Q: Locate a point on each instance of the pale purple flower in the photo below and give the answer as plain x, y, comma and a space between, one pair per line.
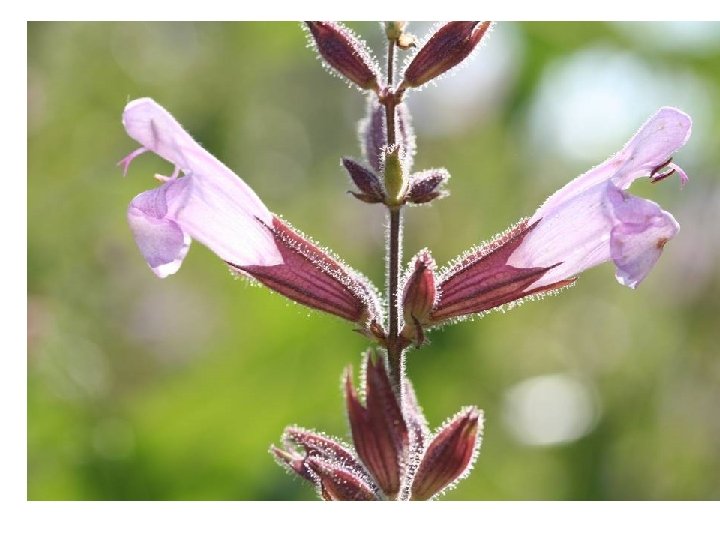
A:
593, 219
209, 203
203, 199
589, 221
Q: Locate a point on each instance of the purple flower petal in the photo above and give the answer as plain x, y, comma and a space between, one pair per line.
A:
641, 231
576, 234
160, 239
604, 223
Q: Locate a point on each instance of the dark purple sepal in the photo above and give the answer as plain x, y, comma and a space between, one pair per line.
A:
369, 186
338, 483
449, 456
425, 186
483, 280
345, 53
447, 47
317, 445
312, 277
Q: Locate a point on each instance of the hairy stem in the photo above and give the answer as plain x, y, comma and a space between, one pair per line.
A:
394, 347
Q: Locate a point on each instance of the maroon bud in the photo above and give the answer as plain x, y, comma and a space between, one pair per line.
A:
379, 432
373, 134
312, 277
336, 483
371, 190
419, 295
483, 280
449, 456
316, 445
345, 53
424, 185
446, 48
324, 459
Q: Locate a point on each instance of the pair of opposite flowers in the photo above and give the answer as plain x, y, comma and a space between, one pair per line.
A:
590, 220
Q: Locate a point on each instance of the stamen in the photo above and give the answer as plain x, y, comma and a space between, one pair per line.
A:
662, 176
659, 167
672, 168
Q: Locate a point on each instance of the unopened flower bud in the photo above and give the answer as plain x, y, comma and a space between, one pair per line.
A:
446, 48
450, 454
371, 190
420, 293
336, 483
395, 175
345, 53
379, 431
424, 185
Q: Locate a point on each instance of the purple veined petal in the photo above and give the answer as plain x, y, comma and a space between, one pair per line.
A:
155, 129
637, 239
576, 234
161, 240
655, 142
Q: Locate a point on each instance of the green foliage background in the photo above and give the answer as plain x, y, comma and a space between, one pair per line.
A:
146, 389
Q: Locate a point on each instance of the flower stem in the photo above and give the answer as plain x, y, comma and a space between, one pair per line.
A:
394, 347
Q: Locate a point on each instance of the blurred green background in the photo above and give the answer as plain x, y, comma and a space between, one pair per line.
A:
140, 388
